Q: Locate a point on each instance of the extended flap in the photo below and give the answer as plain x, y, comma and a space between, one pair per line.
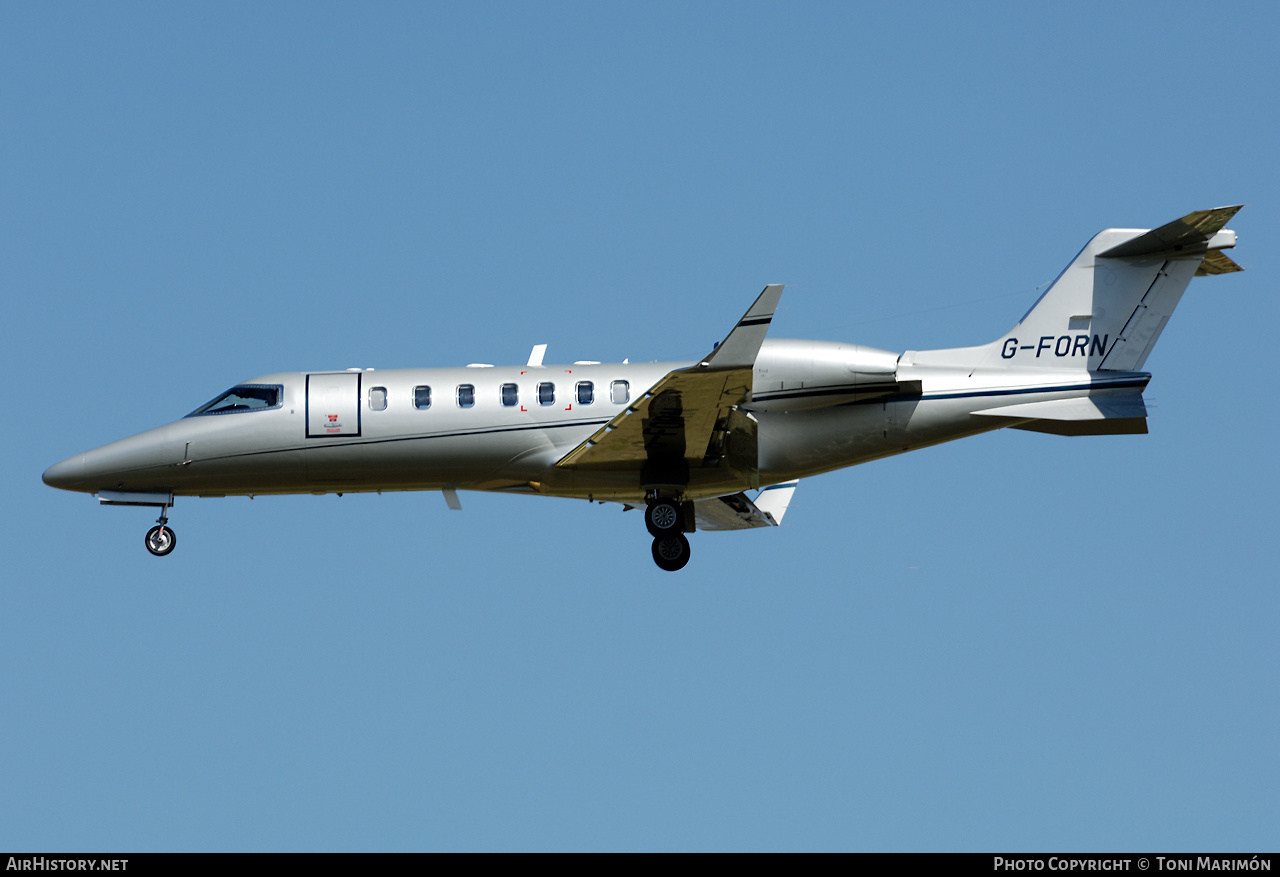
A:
737, 512
689, 419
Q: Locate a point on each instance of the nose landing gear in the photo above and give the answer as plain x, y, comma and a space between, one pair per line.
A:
161, 539
665, 520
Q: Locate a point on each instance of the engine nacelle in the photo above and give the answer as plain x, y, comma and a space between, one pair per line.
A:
793, 375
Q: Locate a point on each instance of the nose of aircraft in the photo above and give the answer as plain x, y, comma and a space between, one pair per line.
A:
138, 462
65, 474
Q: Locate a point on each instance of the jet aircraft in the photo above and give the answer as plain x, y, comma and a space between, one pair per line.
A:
718, 443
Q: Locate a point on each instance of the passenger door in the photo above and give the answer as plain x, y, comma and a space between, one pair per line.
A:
333, 405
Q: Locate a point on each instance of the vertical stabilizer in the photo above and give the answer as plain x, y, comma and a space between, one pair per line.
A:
1107, 309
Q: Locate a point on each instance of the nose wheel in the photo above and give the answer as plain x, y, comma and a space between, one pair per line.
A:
161, 539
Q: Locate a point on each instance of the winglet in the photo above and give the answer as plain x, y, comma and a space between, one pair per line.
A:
739, 349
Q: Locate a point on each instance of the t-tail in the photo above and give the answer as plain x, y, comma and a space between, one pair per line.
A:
1073, 363
1107, 309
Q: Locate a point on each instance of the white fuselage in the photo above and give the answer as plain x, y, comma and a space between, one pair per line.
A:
819, 406
685, 440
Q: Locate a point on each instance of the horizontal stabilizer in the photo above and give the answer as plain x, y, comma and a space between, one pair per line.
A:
1216, 262
1191, 231
737, 512
1094, 415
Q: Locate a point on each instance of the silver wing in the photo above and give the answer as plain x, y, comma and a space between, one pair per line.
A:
691, 419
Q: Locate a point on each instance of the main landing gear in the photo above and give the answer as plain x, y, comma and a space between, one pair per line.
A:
160, 538
662, 517
671, 552
665, 520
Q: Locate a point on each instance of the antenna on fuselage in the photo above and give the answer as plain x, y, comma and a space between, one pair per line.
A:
535, 355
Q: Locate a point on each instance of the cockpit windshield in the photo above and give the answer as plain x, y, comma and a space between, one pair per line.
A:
246, 397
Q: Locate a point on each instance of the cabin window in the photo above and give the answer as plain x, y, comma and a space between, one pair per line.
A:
546, 394
466, 395
586, 392
421, 397
620, 392
510, 395
246, 397
377, 398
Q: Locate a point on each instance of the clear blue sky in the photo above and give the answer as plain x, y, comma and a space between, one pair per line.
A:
1011, 642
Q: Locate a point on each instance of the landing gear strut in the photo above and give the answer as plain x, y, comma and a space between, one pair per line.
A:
665, 520
161, 539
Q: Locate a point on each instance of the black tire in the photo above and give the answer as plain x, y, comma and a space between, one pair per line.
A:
671, 552
662, 517
161, 540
